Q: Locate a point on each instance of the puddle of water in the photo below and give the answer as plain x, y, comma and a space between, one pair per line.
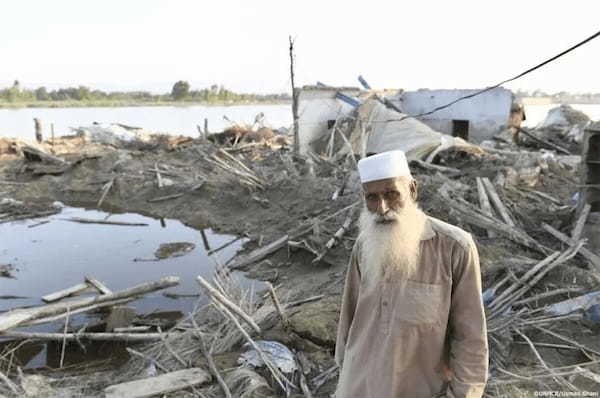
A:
56, 255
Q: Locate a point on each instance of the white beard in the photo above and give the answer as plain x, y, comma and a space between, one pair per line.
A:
391, 250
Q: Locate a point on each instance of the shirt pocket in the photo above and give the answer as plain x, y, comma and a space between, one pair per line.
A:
417, 303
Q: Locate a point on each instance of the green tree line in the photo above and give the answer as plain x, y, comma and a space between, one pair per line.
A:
180, 92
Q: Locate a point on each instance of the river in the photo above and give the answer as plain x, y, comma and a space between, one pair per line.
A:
183, 119
165, 119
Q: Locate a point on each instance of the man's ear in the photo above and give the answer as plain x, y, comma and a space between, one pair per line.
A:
413, 187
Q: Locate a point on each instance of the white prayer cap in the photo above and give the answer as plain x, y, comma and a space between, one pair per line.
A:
383, 165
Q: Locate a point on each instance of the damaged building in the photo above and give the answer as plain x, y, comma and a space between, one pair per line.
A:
473, 119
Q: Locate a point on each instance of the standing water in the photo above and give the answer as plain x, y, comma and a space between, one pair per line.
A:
50, 257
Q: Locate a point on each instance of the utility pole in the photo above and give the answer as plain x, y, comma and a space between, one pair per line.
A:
294, 99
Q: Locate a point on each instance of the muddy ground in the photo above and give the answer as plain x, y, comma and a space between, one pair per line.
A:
295, 194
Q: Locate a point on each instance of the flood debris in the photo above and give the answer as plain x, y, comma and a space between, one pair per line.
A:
523, 200
174, 249
7, 270
51, 312
158, 385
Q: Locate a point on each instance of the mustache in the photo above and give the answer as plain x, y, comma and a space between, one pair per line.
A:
387, 217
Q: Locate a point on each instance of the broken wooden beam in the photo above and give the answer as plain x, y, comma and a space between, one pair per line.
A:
593, 258
65, 292
578, 228
473, 215
259, 253
497, 202
548, 144
101, 287
125, 337
159, 385
17, 317
484, 203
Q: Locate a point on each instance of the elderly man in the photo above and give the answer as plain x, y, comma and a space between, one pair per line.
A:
412, 323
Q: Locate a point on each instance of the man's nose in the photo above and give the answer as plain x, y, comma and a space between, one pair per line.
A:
382, 207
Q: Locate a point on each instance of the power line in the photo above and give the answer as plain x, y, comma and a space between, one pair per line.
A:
439, 108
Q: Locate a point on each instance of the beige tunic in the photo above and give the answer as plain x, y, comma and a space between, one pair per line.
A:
416, 338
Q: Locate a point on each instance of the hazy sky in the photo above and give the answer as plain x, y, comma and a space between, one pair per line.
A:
149, 44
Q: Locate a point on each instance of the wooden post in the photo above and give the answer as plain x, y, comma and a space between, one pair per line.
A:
294, 99
38, 129
52, 131
205, 240
206, 133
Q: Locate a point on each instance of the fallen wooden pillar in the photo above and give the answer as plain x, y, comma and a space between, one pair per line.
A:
128, 337
158, 385
65, 292
18, 317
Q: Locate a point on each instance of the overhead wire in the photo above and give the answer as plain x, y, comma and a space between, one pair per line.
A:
439, 108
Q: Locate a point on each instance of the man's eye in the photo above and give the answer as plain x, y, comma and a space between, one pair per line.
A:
392, 195
371, 196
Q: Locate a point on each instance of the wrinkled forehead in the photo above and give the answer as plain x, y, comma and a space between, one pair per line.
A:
400, 184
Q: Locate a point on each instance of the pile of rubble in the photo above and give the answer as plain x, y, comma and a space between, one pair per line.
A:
519, 201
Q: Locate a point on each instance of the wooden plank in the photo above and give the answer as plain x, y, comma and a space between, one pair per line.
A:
259, 253
163, 384
65, 292
484, 203
497, 202
17, 317
473, 215
593, 258
101, 287
128, 337
578, 229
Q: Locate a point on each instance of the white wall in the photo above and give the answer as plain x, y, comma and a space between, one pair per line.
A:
317, 105
487, 113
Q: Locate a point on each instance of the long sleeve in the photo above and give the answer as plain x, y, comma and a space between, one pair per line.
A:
468, 336
348, 307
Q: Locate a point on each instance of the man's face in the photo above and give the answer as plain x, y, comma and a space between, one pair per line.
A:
386, 198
